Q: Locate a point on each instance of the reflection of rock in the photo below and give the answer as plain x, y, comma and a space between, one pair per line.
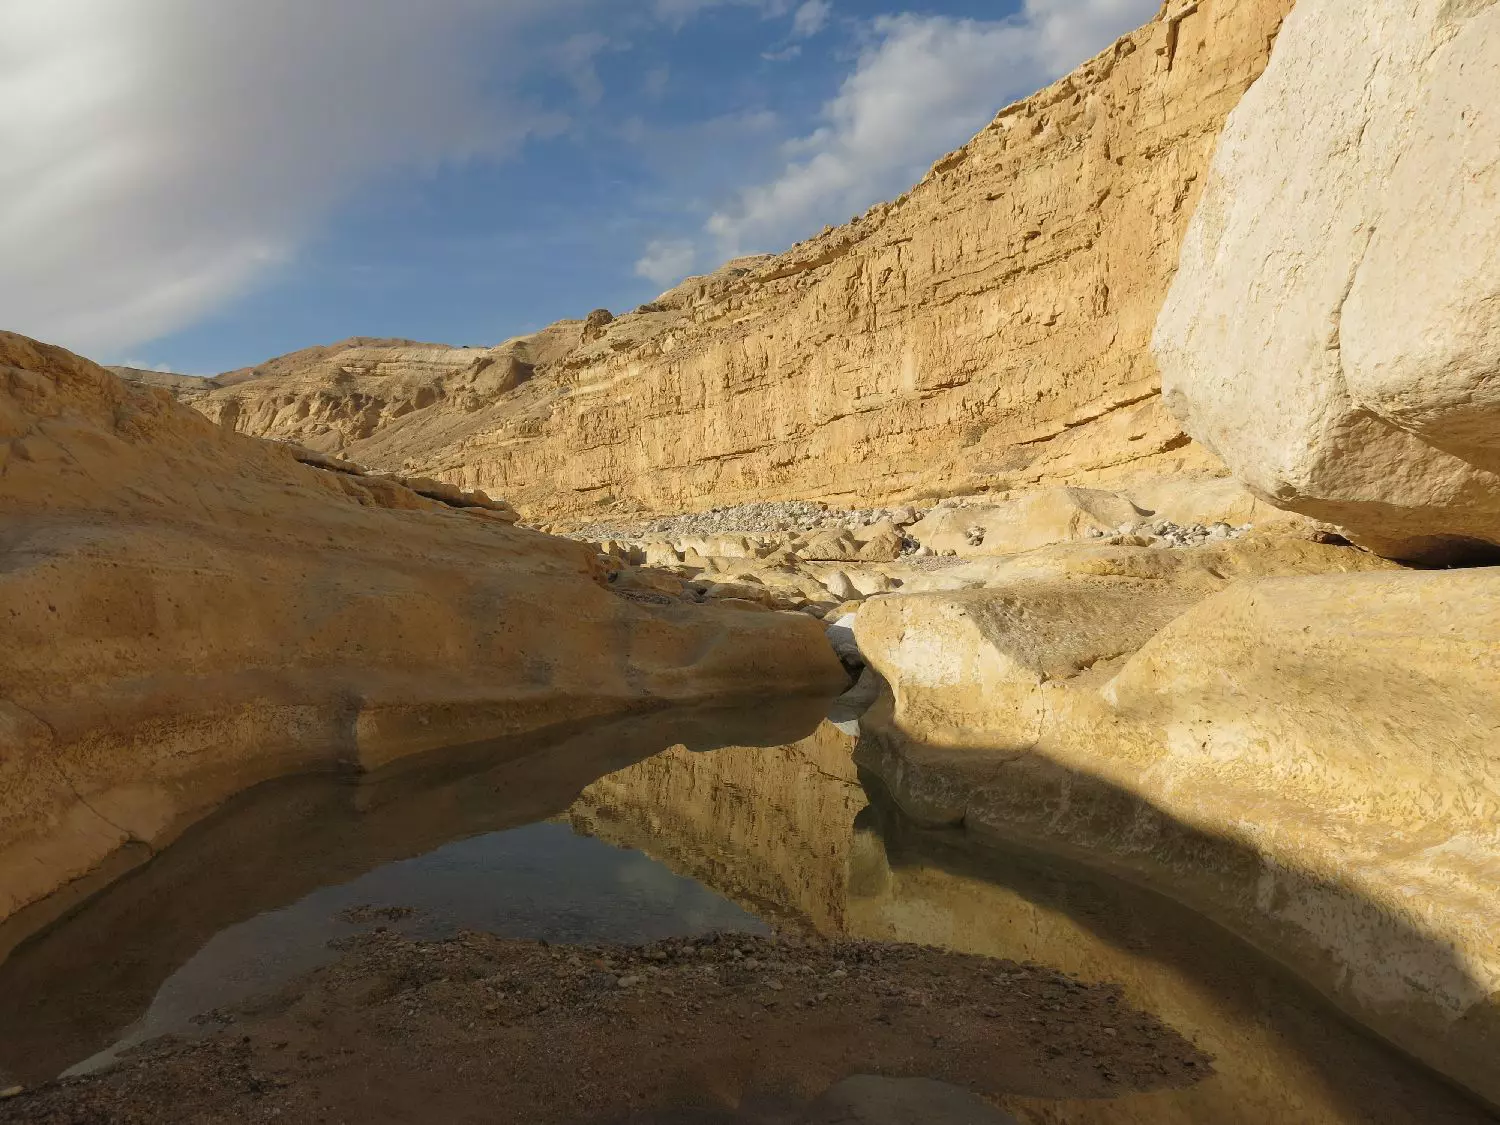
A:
1306, 759
189, 611
67, 993
785, 827
769, 828
1333, 331
1279, 1054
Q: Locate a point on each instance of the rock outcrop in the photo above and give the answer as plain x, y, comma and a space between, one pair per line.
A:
1334, 330
189, 611
988, 329
1306, 759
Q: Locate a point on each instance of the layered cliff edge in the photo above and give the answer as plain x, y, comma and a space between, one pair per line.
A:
988, 330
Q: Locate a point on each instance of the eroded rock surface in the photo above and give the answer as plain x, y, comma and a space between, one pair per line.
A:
1304, 758
188, 611
1333, 331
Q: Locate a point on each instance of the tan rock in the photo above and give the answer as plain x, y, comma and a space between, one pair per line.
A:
1333, 330
190, 611
647, 581
830, 546
988, 329
751, 604
1032, 520
742, 591
661, 554
840, 586
1304, 759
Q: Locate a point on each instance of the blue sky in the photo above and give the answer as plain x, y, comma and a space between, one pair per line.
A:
202, 184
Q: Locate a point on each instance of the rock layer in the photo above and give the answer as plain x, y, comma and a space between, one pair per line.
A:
988, 329
1334, 331
189, 611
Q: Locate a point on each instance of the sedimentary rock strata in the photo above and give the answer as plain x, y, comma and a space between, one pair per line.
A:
1333, 332
986, 330
188, 611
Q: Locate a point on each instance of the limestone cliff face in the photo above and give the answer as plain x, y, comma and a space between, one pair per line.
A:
988, 329
1334, 331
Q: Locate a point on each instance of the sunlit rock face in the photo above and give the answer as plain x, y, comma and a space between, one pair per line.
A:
1333, 332
1303, 756
989, 327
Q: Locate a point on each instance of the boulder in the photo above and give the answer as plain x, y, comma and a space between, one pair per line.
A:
886, 546
830, 546
660, 554
838, 584
1033, 520
1333, 331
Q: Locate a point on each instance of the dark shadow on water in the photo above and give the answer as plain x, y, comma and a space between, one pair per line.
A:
1026, 823
69, 990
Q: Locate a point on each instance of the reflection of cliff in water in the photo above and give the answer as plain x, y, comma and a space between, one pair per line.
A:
69, 990
787, 831
768, 828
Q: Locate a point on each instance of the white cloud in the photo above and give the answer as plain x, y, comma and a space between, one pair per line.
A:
679, 12
576, 55
162, 155
811, 18
667, 261
655, 84
921, 86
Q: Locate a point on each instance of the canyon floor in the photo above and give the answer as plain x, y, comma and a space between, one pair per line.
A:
482, 1029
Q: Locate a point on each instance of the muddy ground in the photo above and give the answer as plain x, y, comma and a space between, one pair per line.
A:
724, 1028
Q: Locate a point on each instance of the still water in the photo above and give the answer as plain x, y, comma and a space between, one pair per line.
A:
676, 824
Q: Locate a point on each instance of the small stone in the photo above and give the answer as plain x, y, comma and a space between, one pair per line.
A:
628, 981
774, 985
12, 1091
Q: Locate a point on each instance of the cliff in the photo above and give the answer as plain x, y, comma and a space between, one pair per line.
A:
987, 330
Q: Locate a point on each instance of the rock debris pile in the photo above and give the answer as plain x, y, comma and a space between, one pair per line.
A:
749, 519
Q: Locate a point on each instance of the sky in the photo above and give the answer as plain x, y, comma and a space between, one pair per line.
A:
198, 185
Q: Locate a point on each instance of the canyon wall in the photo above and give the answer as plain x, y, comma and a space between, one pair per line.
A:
987, 330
